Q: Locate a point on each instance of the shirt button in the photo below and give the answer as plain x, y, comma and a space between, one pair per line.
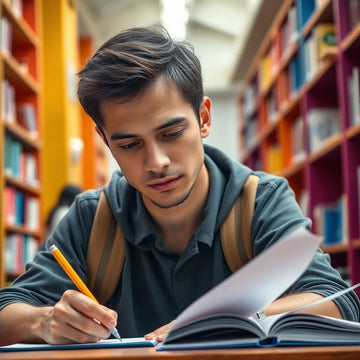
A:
179, 276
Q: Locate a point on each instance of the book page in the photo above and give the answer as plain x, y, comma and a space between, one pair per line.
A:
105, 343
259, 282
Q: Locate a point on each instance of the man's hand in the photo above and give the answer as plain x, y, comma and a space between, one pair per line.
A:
160, 333
74, 319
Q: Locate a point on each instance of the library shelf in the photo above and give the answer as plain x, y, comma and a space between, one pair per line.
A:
23, 31
353, 131
325, 66
17, 76
293, 169
20, 134
290, 105
288, 55
23, 230
28, 188
304, 79
356, 243
333, 143
350, 39
336, 248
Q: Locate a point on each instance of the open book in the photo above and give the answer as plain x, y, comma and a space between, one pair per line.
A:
223, 316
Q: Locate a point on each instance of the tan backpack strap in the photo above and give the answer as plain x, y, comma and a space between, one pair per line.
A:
236, 236
247, 212
106, 252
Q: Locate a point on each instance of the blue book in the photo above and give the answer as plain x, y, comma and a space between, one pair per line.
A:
332, 225
8, 155
19, 208
16, 158
306, 9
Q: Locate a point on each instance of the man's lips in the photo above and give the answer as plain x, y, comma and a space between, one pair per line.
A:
164, 184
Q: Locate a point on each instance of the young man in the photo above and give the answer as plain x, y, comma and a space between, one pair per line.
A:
144, 93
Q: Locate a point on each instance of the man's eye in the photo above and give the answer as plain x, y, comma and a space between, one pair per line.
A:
129, 146
173, 134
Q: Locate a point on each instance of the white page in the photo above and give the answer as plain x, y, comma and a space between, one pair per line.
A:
125, 342
260, 281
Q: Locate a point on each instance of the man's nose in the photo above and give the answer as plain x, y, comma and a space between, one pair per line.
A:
156, 158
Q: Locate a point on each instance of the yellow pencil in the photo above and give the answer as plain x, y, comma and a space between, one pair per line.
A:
60, 258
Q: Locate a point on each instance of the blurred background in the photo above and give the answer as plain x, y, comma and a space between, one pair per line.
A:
226, 35
48, 142
283, 77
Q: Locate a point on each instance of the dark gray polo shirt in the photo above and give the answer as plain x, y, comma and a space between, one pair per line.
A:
157, 284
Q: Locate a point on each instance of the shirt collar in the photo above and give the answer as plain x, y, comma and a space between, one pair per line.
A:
144, 231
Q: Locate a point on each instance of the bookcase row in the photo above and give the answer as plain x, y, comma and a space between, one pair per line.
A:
20, 134
300, 117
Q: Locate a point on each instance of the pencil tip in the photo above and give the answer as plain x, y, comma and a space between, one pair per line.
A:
115, 333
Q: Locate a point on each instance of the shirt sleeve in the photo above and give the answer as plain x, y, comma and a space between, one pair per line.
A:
44, 281
276, 214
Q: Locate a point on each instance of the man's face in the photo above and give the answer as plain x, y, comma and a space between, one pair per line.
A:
157, 141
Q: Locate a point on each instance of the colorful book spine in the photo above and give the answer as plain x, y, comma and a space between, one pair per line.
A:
5, 36
26, 117
358, 192
323, 124
274, 159
331, 221
19, 163
9, 205
354, 97
306, 9
32, 213
354, 12
19, 250
7, 101
298, 140
325, 35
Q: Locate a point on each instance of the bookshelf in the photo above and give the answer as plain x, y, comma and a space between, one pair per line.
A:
299, 117
62, 128
20, 133
95, 159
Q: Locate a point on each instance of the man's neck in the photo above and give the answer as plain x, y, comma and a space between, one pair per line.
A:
176, 225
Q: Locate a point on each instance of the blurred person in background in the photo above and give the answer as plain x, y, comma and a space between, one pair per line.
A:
62, 206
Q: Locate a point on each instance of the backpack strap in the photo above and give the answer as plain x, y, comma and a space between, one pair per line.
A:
235, 231
106, 252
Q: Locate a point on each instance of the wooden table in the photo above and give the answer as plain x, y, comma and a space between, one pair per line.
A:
285, 353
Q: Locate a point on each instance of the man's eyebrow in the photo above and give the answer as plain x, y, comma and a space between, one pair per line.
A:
172, 122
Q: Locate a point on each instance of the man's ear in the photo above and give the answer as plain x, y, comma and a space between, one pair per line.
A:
205, 117
102, 135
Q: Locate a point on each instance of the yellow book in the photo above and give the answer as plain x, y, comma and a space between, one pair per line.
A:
325, 35
265, 73
274, 159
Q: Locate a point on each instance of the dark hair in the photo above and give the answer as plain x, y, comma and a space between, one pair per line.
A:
127, 64
66, 198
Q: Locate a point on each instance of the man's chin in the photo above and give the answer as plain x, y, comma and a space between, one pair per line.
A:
169, 204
